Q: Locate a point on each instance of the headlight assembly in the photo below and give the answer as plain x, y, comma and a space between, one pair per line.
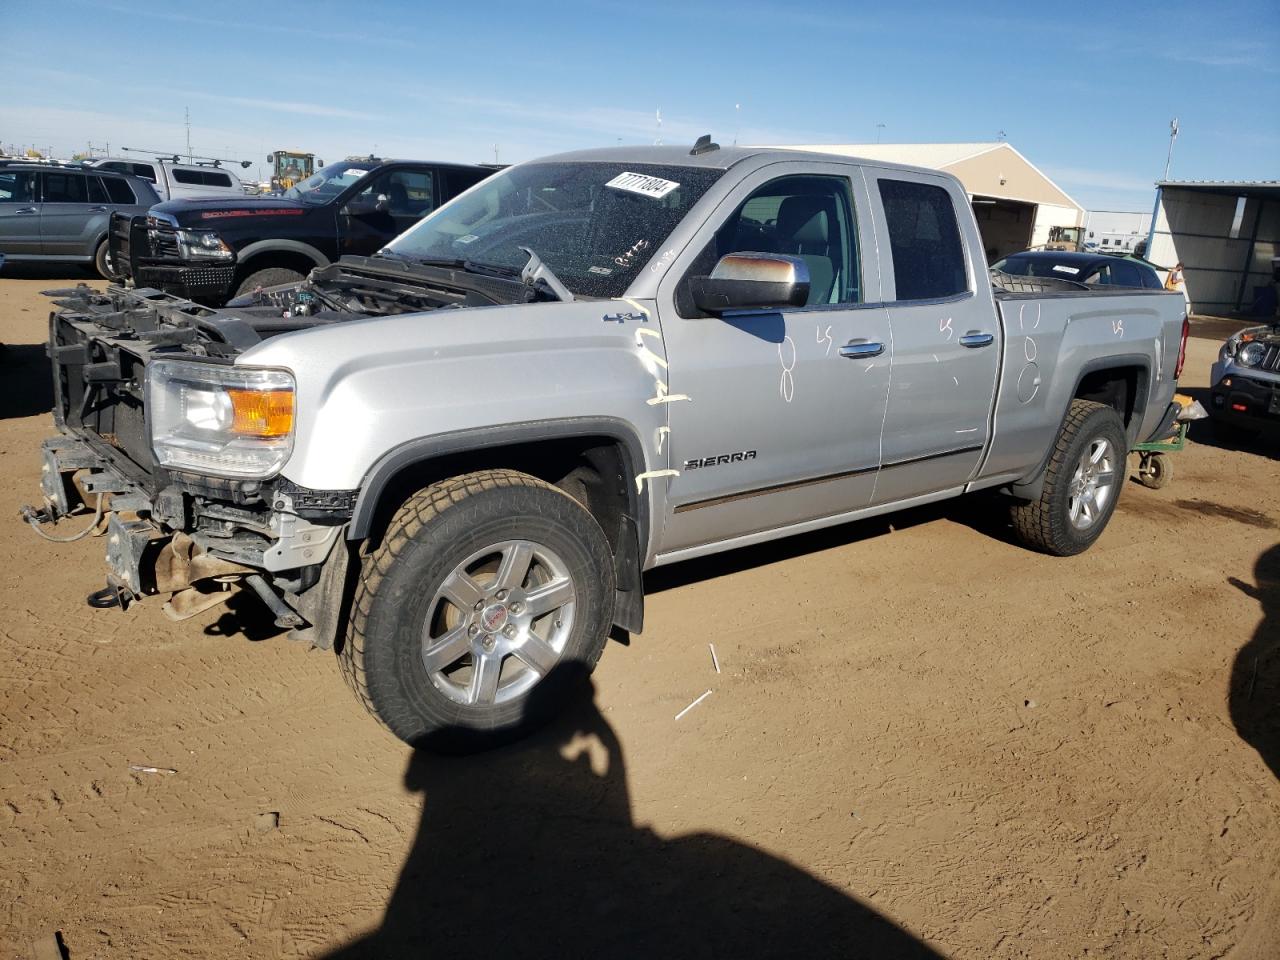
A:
224, 421
1251, 354
202, 245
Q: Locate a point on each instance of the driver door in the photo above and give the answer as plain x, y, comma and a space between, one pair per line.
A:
391, 204
785, 406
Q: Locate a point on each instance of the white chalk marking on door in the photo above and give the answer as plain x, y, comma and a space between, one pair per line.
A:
662, 435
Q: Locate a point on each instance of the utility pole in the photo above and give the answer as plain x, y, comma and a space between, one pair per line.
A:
187, 112
658, 115
737, 122
879, 127
495, 154
1173, 135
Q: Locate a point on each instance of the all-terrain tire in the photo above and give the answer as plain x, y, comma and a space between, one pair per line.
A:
270, 277
402, 591
1046, 524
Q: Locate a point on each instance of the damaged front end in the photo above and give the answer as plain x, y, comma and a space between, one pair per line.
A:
197, 550
1245, 380
174, 452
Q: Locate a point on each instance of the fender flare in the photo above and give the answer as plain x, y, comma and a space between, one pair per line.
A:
1031, 486
281, 246
461, 441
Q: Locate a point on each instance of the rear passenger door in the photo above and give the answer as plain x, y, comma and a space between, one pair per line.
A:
946, 340
69, 222
19, 213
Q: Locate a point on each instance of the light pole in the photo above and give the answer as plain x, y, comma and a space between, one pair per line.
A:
879, 127
1173, 135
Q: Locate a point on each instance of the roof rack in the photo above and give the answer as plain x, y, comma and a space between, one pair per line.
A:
164, 156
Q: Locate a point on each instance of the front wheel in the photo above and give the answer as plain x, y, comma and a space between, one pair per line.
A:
270, 277
102, 262
1081, 485
485, 588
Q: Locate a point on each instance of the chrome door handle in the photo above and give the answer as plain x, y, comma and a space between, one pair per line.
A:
861, 349
975, 338
97, 209
26, 210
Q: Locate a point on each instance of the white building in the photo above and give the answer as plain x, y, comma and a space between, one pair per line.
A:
1226, 235
1015, 203
1108, 231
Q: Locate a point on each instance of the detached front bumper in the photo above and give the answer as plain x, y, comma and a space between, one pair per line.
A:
194, 549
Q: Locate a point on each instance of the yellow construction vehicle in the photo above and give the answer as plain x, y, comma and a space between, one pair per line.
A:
289, 166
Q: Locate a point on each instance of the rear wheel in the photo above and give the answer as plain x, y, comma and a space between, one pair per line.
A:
1081, 485
484, 590
270, 277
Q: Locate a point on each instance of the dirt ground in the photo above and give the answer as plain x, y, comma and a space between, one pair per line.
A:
924, 740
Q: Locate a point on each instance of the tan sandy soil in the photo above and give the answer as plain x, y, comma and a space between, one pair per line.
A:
923, 735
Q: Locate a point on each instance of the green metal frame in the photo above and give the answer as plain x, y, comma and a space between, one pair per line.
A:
1165, 446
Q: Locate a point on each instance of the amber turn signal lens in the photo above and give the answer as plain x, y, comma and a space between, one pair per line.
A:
261, 413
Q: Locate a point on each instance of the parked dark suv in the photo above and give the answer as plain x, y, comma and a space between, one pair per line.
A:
60, 212
211, 249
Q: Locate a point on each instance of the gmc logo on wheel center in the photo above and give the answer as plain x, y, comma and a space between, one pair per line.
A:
699, 463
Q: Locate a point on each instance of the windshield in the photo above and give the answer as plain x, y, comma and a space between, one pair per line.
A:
327, 182
594, 224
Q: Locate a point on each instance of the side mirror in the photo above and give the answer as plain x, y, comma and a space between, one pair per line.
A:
742, 281
383, 204
271, 158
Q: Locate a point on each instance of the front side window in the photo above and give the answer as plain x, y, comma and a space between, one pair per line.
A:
810, 217
17, 186
409, 193
65, 188
594, 224
924, 240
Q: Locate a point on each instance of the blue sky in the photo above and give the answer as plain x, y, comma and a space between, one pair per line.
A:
1085, 93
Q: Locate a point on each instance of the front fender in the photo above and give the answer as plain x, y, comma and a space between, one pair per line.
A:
373, 392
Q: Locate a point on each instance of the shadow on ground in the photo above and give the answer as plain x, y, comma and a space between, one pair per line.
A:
1264, 443
531, 851
1255, 677
28, 383
13, 270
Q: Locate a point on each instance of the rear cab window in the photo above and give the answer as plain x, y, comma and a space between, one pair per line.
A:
924, 240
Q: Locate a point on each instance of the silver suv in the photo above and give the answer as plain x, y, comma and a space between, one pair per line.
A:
60, 212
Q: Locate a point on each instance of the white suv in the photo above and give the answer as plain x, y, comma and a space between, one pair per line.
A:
176, 181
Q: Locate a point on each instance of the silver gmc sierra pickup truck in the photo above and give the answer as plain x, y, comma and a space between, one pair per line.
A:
451, 462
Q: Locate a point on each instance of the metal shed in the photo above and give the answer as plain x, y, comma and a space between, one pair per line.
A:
1226, 235
1014, 202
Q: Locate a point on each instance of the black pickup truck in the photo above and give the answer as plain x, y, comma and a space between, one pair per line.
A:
210, 250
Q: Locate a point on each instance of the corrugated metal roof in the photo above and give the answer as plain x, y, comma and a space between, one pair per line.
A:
1218, 184
935, 155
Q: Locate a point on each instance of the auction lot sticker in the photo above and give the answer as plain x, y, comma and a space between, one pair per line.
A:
646, 186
